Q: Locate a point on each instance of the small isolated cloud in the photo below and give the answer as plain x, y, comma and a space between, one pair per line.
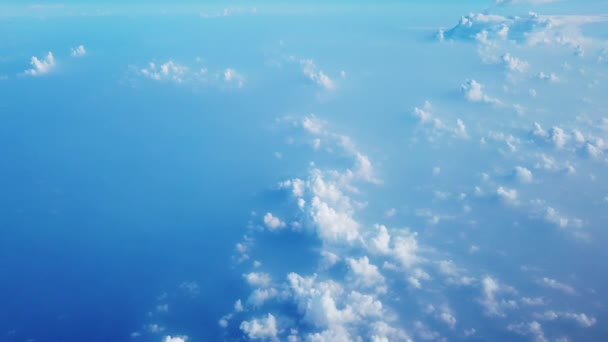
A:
190, 288
533, 329
232, 76
473, 92
427, 118
554, 217
556, 135
551, 77
507, 195
556, 285
168, 71
273, 222
311, 71
522, 174
79, 51
581, 319
514, 64
170, 338
258, 279
261, 328
493, 305
41, 67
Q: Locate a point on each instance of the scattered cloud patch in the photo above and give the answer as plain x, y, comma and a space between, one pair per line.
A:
273, 222
473, 92
310, 69
41, 66
79, 51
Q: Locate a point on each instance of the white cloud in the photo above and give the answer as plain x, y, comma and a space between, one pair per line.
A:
547, 77
238, 306
155, 328
523, 174
581, 319
258, 279
260, 296
313, 124
232, 76
493, 305
532, 29
191, 288
558, 136
514, 64
79, 51
536, 301
261, 328
168, 71
273, 222
333, 225
425, 117
473, 92
365, 273
41, 67
556, 285
170, 338
533, 329
311, 71
508, 195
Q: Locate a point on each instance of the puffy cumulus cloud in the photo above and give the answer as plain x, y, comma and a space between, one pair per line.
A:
581, 319
365, 273
261, 295
231, 76
425, 333
333, 225
514, 64
571, 225
258, 279
332, 309
523, 175
382, 332
170, 338
532, 29
314, 125
507, 195
556, 285
532, 329
261, 328
476, 25
273, 222
510, 140
551, 77
310, 70
168, 71
171, 71
554, 217
41, 66
437, 126
473, 92
443, 314
548, 163
491, 290
454, 274
402, 247
78, 51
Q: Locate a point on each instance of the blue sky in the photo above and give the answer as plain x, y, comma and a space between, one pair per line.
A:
310, 171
